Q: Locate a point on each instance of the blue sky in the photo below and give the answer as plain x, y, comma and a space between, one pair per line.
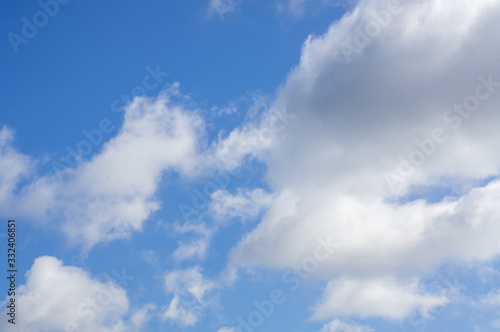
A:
247, 165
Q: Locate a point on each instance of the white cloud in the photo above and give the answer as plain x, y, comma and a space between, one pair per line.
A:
298, 8
492, 299
189, 281
92, 305
181, 315
250, 141
245, 204
340, 326
223, 7
386, 298
112, 194
355, 120
195, 248
14, 166
190, 289
140, 317
231, 151
227, 329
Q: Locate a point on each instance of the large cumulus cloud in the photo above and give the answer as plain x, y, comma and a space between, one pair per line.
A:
394, 101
